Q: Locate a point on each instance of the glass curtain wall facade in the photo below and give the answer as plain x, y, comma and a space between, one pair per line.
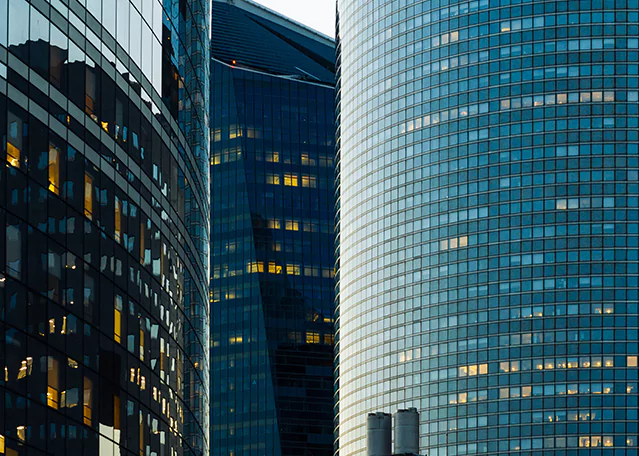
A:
272, 280
104, 221
488, 252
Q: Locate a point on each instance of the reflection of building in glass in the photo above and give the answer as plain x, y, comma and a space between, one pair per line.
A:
103, 228
488, 224
272, 235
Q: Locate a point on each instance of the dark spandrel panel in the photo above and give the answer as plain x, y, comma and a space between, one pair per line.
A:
252, 41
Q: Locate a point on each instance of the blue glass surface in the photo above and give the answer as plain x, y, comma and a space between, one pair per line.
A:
488, 195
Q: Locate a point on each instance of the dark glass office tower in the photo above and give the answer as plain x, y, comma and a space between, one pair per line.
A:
272, 218
104, 216
488, 185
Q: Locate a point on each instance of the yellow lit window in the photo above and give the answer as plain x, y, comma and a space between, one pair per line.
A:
255, 266
274, 224
1, 444
141, 345
54, 169
88, 196
632, 361
273, 179
87, 401
526, 391
117, 320
274, 268
505, 26
463, 398
309, 181
307, 160
235, 340
273, 157
291, 180
116, 412
292, 225
329, 339
483, 369
312, 337
608, 441
21, 432
293, 269
53, 383
504, 393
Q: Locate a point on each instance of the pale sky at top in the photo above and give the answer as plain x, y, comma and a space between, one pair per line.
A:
316, 14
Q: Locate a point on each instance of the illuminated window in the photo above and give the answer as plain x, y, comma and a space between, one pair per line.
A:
116, 412
273, 179
292, 225
291, 180
88, 196
235, 340
272, 157
293, 269
141, 344
87, 401
306, 160
117, 319
329, 339
53, 383
312, 337
309, 181
118, 220
274, 224
255, 266
632, 361
54, 169
274, 268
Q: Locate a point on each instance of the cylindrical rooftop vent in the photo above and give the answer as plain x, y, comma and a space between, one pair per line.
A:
407, 431
378, 434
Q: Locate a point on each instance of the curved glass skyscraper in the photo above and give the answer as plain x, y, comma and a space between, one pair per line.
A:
104, 216
488, 249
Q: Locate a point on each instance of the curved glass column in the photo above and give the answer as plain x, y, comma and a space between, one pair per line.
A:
104, 215
488, 224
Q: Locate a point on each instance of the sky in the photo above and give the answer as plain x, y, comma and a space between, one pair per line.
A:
316, 14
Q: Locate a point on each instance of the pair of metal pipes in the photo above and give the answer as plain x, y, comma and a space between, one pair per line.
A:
378, 433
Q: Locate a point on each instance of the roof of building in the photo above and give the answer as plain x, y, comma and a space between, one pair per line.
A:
248, 35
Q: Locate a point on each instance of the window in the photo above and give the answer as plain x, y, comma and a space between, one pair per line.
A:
88, 196
15, 144
293, 269
54, 169
274, 224
291, 180
118, 220
117, 319
273, 179
309, 181
87, 402
53, 383
292, 225
312, 337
